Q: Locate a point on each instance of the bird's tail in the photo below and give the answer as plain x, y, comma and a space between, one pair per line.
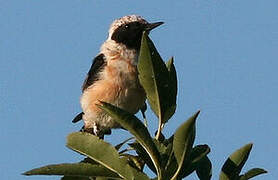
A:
78, 117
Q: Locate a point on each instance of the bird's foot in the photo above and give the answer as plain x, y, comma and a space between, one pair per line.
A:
95, 130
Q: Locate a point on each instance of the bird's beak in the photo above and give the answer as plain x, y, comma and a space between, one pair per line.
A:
151, 26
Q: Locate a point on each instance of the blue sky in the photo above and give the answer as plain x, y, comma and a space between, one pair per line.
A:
225, 54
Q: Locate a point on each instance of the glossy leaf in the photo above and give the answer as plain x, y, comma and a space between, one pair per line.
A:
137, 128
75, 178
74, 169
139, 175
173, 89
182, 137
198, 161
169, 151
198, 152
134, 161
154, 77
118, 146
93, 147
252, 173
102, 178
183, 141
204, 168
171, 167
144, 155
235, 162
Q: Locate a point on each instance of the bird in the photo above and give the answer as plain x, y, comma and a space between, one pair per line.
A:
113, 76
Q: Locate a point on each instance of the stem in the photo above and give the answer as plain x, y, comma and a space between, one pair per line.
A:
160, 127
126, 150
145, 122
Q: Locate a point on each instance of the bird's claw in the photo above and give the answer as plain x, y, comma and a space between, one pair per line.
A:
95, 130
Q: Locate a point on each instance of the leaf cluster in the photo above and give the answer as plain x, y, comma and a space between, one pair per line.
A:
170, 158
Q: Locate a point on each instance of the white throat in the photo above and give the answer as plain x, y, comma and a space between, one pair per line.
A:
117, 51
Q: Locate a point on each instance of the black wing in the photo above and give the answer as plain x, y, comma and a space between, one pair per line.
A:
97, 66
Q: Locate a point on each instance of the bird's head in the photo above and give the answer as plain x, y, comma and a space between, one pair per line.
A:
128, 30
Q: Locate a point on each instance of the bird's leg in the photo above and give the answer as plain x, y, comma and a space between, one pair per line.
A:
97, 131
82, 129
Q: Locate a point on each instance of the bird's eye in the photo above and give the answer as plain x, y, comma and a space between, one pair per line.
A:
127, 26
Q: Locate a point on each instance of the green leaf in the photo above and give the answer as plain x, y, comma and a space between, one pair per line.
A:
252, 173
163, 151
136, 166
75, 178
73, 169
171, 166
173, 89
143, 154
137, 128
139, 175
134, 161
169, 151
118, 146
160, 146
183, 141
154, 77
203, 169
198, 161
93, 147
198, 152
235, 163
